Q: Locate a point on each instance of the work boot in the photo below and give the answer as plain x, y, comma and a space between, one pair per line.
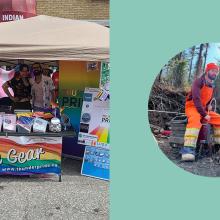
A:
188, 154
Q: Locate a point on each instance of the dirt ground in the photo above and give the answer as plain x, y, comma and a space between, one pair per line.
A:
205, 166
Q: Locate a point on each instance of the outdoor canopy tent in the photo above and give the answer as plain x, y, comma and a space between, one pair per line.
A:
52, 38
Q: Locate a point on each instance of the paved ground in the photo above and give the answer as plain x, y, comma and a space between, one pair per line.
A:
76, 197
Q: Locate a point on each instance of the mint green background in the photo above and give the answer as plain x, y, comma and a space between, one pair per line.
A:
144, 36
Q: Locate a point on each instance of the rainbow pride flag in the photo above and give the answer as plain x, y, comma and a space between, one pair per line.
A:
27, 155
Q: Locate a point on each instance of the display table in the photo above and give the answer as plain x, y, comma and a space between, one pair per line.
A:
31, 153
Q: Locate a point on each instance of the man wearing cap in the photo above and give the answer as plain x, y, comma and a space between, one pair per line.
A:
198, 107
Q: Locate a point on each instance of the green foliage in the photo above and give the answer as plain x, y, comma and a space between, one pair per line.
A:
183, 68
177, 72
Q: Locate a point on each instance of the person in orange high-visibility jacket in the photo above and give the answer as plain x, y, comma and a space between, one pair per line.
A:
198, 108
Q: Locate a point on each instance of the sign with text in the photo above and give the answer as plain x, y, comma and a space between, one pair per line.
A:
73, 79
11, 10
27, 155
95, 120
96, 163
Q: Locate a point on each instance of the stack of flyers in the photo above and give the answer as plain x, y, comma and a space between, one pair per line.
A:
1, 121
24, 124
26, 114
40, 125
9, 123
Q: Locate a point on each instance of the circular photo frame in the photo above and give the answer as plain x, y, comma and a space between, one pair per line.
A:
184, 109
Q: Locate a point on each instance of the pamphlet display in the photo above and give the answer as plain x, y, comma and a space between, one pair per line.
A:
29, 146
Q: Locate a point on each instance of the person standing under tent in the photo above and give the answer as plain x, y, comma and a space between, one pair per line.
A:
21, 88
47, 71
42, 91
35, 66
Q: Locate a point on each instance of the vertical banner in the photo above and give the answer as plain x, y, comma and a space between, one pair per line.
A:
74, 77
95, 120
11, 10
27, 155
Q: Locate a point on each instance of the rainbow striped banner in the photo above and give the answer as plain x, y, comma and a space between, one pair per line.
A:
27, 155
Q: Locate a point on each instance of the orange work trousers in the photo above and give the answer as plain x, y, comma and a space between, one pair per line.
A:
194, 125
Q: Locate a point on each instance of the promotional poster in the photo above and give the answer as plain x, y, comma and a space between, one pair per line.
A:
96, 163
95, 120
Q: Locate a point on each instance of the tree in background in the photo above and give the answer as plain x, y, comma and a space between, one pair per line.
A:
192, 53
179, 74
182, 69
178, 69
199, 62
205, 55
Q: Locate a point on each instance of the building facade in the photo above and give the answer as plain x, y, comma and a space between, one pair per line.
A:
75, 9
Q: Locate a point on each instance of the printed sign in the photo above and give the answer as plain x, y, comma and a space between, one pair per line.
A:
96, 163
27, 155
95, 120
11, 10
